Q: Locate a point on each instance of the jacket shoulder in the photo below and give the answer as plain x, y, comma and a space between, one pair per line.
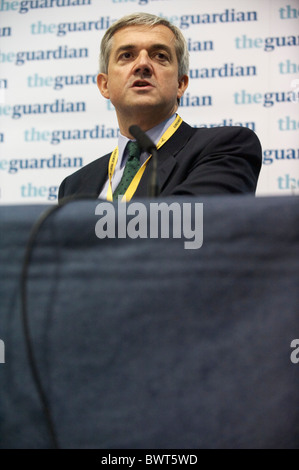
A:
86, 180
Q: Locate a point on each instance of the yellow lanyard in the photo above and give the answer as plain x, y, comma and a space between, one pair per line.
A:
136, 180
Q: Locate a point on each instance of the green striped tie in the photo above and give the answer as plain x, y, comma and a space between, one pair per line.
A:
131, 168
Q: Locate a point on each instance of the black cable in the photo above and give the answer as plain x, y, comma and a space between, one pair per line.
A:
24, 312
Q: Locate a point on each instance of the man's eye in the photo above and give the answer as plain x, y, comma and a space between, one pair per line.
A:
161, 56
126, 55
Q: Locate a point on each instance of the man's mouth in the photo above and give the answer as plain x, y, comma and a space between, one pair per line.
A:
141, 84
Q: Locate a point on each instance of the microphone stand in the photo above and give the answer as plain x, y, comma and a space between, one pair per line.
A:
153, 188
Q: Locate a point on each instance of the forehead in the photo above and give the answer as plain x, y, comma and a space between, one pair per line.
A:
143, 36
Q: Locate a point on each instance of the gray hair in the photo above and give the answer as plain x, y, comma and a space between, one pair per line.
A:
148, 20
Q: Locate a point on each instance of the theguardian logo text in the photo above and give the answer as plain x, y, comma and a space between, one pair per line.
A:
154, 220
24, 6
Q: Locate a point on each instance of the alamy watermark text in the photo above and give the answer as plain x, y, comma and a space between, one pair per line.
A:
138, 220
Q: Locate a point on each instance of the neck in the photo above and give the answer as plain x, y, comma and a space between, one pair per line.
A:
143, 120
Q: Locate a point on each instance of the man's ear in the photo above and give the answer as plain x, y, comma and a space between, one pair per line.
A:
183, 84
102, 82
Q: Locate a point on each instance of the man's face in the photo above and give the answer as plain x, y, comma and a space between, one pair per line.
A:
143, 72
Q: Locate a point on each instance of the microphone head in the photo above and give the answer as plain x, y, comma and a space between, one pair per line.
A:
143, 140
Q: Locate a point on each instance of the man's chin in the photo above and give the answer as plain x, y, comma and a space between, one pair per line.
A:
143, 108
146, 104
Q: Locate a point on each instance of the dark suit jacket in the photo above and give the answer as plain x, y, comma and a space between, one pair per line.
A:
193, 161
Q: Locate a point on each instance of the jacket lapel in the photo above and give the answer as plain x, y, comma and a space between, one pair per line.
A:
166, 159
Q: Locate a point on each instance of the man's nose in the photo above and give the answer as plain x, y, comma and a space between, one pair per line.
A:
143, 63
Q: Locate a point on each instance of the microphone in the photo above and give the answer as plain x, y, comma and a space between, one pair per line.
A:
147, 145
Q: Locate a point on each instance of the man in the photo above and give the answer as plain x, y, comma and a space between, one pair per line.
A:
144, 64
